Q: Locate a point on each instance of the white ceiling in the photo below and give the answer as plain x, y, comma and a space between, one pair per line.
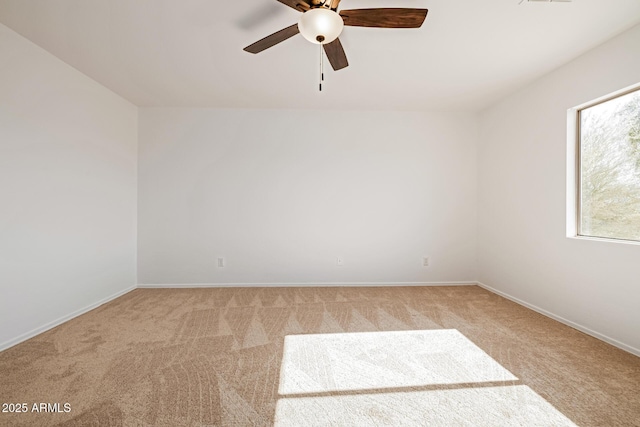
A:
467, 55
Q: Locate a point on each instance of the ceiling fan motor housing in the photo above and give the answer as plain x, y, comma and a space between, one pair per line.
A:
320, 26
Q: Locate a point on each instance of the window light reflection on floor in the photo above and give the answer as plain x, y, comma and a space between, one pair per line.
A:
375, 360
432, 377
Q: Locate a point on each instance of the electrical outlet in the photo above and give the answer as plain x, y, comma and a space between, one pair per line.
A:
339, 261
222, 263
425, 261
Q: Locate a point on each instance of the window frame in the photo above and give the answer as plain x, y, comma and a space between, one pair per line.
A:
574, 168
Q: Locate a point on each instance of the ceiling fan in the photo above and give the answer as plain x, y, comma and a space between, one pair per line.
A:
321, 23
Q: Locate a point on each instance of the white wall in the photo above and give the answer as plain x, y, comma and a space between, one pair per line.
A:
67, 190
282, 194
522, 247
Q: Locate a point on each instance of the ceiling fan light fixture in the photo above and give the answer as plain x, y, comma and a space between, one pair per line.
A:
320, 26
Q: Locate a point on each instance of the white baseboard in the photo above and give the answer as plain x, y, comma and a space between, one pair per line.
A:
560, 319
17, 340
301, 284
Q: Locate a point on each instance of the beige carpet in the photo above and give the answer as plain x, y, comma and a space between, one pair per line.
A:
452, 356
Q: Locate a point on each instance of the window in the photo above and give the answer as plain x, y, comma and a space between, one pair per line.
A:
608, 168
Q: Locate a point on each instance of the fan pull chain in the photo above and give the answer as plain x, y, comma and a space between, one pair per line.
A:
321, 67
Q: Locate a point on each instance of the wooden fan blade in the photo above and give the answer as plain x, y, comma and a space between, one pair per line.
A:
299, 5
384, 17
334, 4
273, 39
336, 55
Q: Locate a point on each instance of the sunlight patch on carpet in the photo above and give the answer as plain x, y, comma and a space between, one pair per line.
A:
377, 360
483, 406
428, 377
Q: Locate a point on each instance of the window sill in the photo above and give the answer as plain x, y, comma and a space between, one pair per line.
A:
605, 240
